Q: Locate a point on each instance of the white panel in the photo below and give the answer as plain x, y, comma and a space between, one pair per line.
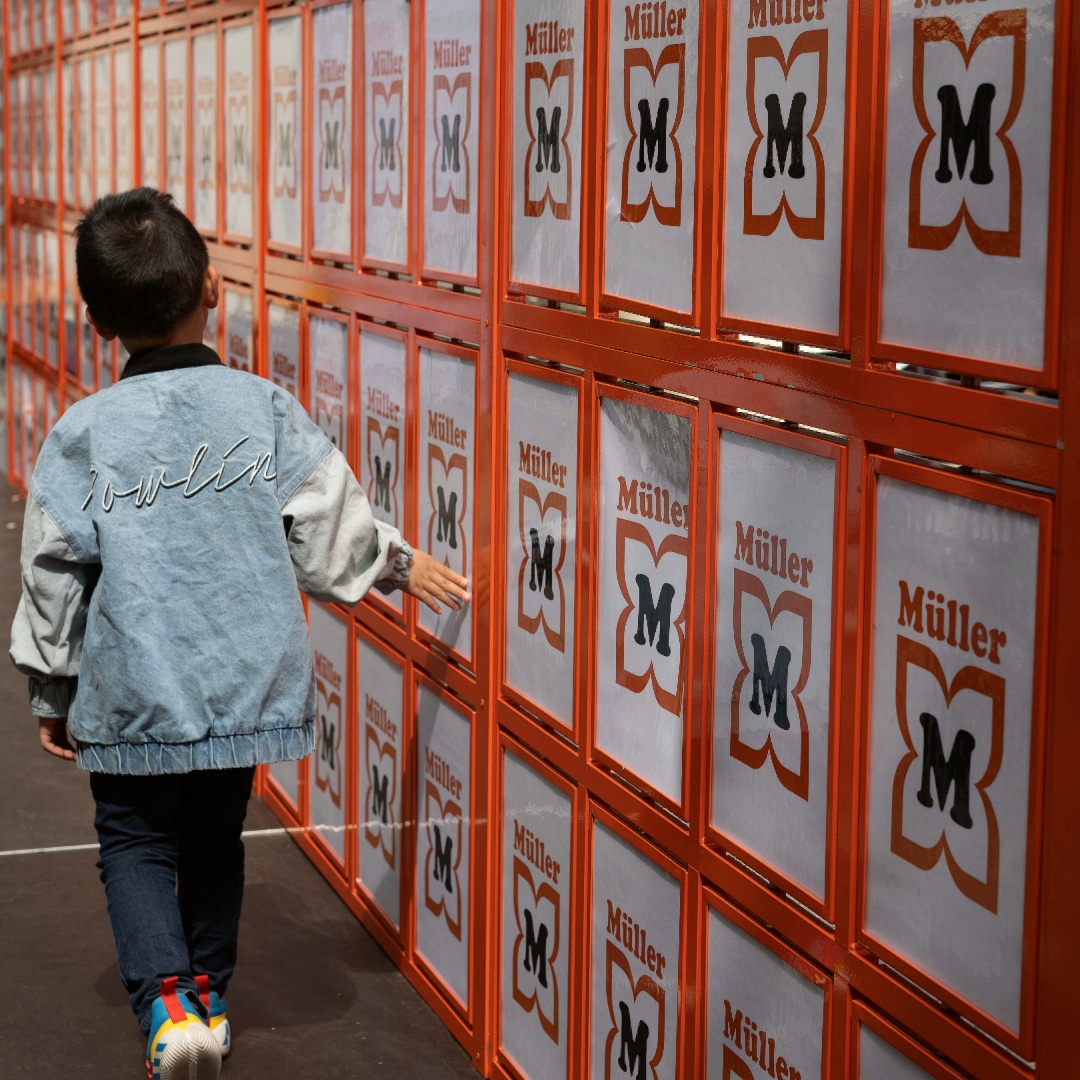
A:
448, 469
284, 346
386, 130
150, 120
443, 813
51, 289
239, 313
122, 90
652, 154
328, 353
787, 77
878, 1059
452, 136
103, 125
950, 739
239, 130
210, 334
770, 782
541, 542
204, 61
176, 111
382, 430
644, 549
37, 123
536, 883
966, 174
549, 62
332, 129
286, 775
326, 790
283, 172
765, 1019
26, 113
635, 962
382, 775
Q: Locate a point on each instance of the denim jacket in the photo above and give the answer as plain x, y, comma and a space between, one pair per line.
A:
169, 521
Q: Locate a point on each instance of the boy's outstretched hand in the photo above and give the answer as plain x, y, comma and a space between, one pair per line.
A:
54, 737
430, 581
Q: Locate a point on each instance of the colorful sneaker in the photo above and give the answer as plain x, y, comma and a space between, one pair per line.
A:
217, 1007
181, 1046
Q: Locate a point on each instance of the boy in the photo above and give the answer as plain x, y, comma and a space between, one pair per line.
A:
168, 524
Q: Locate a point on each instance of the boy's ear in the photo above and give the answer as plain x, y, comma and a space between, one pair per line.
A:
102, 331
211, 288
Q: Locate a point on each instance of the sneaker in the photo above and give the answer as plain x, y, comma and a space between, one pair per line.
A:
181, 1046
217, 1007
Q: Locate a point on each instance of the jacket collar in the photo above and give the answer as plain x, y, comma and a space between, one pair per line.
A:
169, 359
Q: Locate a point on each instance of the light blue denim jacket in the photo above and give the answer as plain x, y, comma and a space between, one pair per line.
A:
169, 522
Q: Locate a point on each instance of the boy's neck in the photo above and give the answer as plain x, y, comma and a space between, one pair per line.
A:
188, 332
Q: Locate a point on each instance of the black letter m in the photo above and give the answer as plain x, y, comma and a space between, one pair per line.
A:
326, 742
547, 139
382, 484
770, 682
956, 769
652, 139
378, 795
444, 857
784, 137
386, 144
961, 135
638, 1046
651, 616
536, 949
451, 143
447, 513
540, 565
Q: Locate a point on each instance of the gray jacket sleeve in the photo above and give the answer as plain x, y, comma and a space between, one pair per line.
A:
338, 549
47, 635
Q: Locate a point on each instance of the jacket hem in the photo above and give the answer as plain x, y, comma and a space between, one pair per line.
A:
215, 752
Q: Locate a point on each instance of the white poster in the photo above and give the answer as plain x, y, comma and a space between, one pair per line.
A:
536, 934
443, 809
541, 542
122, 93
950, 739
326, 790
283, 172
328, 352
383, 392
67, 134
103, 125
49, 126
877, 1059
331, 124
239, 315
635, 963
643, 598
452, 136
286, 775
765, 1019
239, 130
382, 777
783, 208
176, 111
150, 119
210, 334
447, 481
284, 345
37, 124
51, 290
26, 114
774, 611
15, 111
966, 173
386, 130
652, 154
204, 62
548, 113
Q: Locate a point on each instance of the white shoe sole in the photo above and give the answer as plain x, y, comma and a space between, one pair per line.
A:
194, 1055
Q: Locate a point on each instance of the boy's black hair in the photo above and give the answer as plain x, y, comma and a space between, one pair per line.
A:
140, 263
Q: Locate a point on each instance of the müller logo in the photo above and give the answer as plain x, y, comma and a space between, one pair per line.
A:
443, 825
383, 461
636, 1007
968, 139
237, 150
448, 491
651, 633
785, 163
542, 532
970, 707
381, 797
333, 139
537, 914
328, 759
549, 116
386, 114
765, 697
451, 171
285, 160
754, 1044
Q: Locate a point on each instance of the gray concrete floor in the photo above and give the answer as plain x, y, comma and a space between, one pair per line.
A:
313, 997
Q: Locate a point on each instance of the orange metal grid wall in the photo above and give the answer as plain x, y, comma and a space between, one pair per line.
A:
730, 359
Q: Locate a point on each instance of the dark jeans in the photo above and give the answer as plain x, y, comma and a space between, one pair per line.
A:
173, 866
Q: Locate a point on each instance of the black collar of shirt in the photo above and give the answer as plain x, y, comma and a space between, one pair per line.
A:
170, 358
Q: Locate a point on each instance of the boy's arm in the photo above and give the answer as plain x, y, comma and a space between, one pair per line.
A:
338, 549
47, 634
